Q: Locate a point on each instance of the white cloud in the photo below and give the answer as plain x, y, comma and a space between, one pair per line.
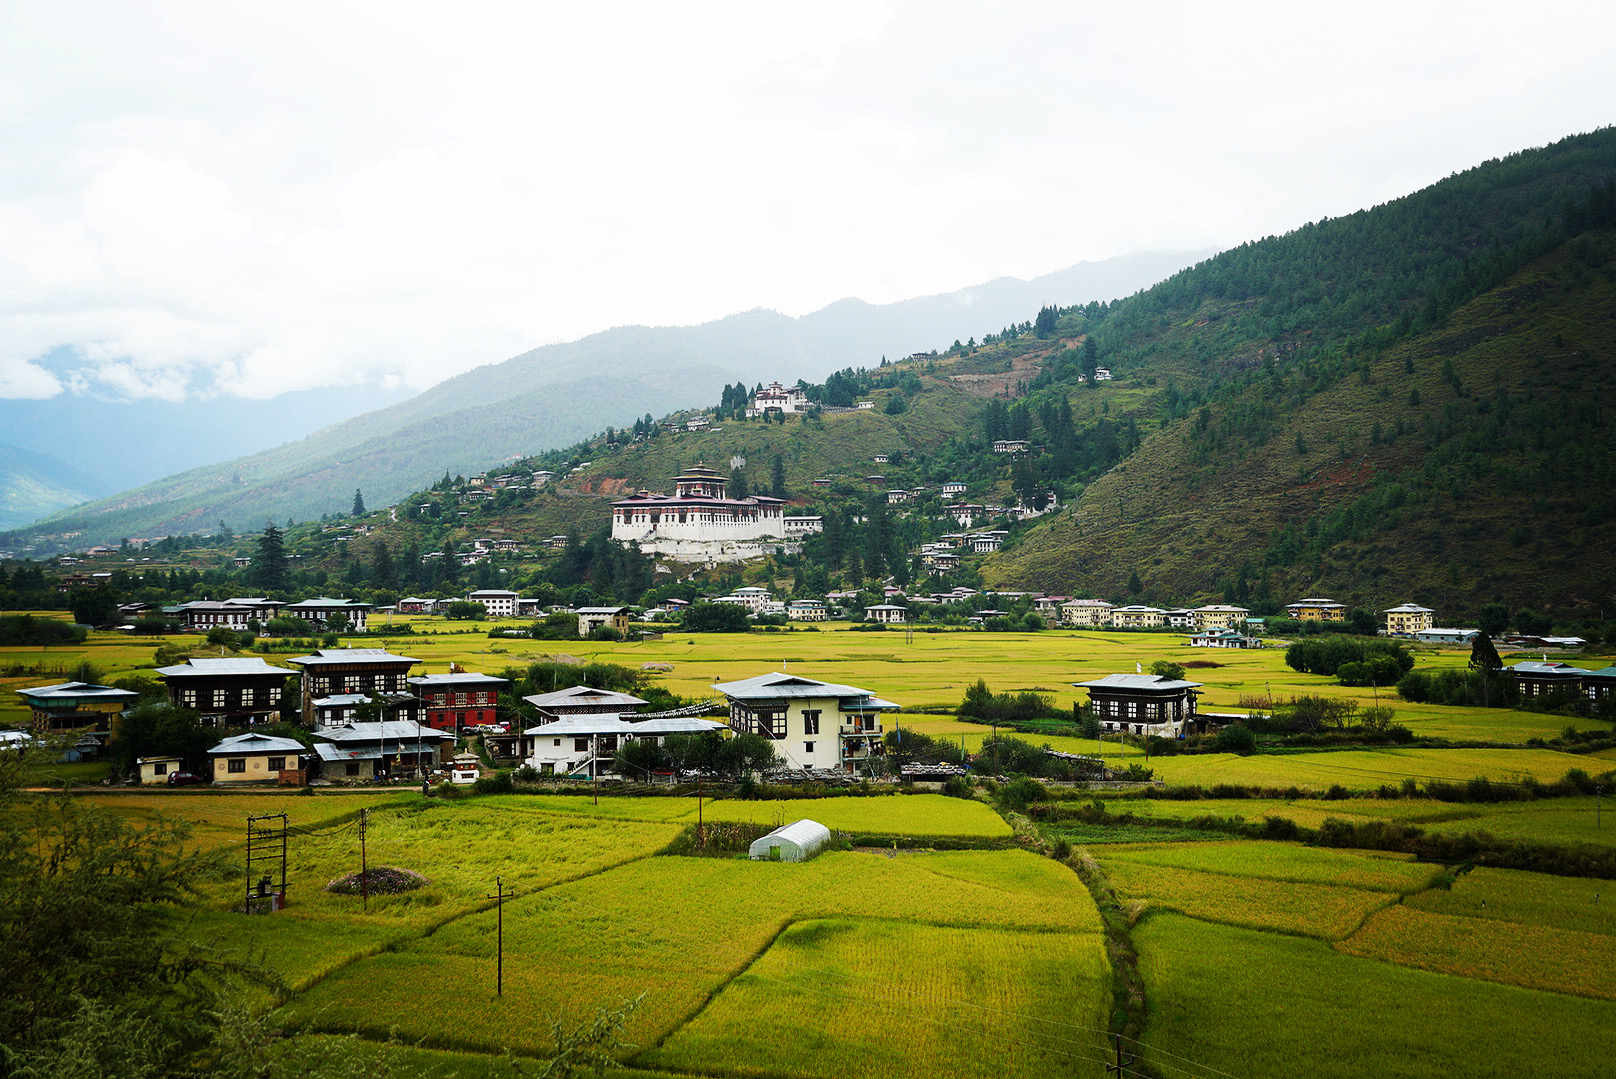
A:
200, 197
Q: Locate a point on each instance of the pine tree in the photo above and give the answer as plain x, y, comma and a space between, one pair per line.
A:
777, 483
358, 503
269, 568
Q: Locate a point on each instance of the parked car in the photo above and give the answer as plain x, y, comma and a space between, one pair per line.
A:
184, 779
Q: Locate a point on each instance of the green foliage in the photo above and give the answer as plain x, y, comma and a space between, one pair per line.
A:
984, 706
468, 610
26, 629
1327, 655
1166, 668
158, 729
1236, 738
713, 618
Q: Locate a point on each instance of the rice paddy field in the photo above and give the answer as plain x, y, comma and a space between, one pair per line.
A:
1254, 958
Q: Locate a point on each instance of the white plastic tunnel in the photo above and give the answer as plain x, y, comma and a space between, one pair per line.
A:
794, 842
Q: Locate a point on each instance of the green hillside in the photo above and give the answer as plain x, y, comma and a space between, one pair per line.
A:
1469, 463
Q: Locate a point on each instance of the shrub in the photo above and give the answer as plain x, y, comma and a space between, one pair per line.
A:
1236, 738
1326, 655
498, 783
1020, 793
382, 880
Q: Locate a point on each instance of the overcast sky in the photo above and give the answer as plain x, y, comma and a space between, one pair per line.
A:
224, 197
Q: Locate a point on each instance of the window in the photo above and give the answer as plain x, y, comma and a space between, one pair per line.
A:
160, 768
777, 725
219, 698
236, 764
810, 723
277, 764
351, 768
558, 741
187, 698
807, 747
580, 745
249, 697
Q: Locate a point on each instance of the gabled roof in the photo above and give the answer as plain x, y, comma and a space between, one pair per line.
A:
243, 744
392, 730
777, 686
1152, 682
464, 678
1552, 667
75, 693
600, 610
583, 695
330, 656
1408, 608
606, 723
213, 667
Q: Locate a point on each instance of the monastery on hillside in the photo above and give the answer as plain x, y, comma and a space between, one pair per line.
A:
778, 398
699, 523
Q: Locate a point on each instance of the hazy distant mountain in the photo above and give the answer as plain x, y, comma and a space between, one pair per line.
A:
555, 395
32, 484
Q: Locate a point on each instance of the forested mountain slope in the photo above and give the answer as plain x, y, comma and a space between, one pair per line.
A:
1405, 404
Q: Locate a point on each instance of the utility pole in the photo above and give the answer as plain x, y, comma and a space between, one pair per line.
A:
364, 864
1124, 1060
701, 828
499, 897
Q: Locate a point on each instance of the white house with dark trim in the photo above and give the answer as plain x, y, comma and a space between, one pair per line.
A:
813, 724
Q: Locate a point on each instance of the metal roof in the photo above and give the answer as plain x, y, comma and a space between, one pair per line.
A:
777, 686
582, 695
196, 667
322, 656
606, 723
257, 743
392, 730
1138, 681
465, 678
70, 692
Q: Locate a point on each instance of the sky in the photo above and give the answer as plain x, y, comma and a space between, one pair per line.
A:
201, 198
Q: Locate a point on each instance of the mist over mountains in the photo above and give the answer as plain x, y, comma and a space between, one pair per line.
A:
548, 397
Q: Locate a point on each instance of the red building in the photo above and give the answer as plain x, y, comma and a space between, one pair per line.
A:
459, 700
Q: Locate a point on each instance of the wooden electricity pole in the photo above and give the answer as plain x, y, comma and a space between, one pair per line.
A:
499, 897
364, 866
1124, 1062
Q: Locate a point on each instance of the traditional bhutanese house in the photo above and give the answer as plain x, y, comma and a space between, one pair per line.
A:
1600, 686
794, 842
812, 724
76, 706
1223, 638
154, 771
1143, 704
255, 758
581, 701
1086, 612
1138, 616
1408, 619
887, 613
227, 692
1218, 616
350, 672
1011, 445
203, 615
800, 525
585, 745
987, 542
1179, 618
1548, 678
1316, 610
356, 752
416, 604
459, 699
953, 488
592, 618
323, 612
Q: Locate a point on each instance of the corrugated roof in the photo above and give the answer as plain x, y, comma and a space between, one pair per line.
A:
582, 695
778, 686
257, 743
349, 655
392, 730
1138, 681
605, 723
255, 665
465, 678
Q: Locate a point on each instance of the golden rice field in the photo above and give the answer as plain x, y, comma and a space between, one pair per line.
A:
1326, 911
974, 1003
1366, 769
1577, 903
1533, 956
1274, 1006
1287, 862
676, 929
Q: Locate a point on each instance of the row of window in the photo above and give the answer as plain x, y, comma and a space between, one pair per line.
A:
239, 764
248, 697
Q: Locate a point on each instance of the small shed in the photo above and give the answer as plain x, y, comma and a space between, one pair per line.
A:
154, 771
794, 842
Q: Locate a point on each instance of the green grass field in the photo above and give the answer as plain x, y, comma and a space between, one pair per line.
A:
983, 1003
1288, 862
1326, 911
1263, 1005
1576, 903
676, 929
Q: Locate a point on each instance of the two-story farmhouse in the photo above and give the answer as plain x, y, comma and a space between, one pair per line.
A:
325, 613
1316, 610
75, 706
813, 724
355, 752
227, 692
1143, 704
338, 681
586, 745
459, 699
